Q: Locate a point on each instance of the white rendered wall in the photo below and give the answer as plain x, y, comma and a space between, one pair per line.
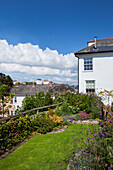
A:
19, 101
46, 82
102, 72
39, 82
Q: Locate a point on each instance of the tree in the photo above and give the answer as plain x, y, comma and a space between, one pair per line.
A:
7, 80
4, 99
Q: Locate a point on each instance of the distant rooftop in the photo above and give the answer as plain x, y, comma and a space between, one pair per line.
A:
22, 90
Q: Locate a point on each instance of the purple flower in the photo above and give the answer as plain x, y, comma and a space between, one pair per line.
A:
100, 106
87, 142
85, 127
91, 138
89, 133
78, 163
101, 123
88, 138
72, 136
103, 135
96, 134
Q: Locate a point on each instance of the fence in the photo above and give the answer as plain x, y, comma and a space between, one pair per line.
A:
28, 111
107, 111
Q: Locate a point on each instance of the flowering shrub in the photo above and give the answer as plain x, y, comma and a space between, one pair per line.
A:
94, 150
56, 119
43, 125
84, 116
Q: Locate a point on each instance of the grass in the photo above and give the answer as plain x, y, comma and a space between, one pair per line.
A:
42, 152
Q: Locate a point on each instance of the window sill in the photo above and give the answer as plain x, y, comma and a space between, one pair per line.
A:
87, 71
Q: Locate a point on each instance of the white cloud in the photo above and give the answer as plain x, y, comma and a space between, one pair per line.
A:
67, 80
4, 67
33, 61
28, 54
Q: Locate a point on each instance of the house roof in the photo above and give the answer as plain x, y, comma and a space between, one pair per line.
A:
105, 39
103, 46
22, 90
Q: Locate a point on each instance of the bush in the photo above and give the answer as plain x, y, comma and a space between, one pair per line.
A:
95, 149
43, 125
14, 132
84, 116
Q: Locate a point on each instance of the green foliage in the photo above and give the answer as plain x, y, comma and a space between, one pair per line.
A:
95, 150
64, 109
5, 99
76, 103
7, 80
34, 101
43, 125
14, 132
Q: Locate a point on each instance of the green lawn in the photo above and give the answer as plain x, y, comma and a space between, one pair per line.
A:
42, 152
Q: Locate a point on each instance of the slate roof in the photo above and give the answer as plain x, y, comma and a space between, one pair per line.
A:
22, 90
103, 46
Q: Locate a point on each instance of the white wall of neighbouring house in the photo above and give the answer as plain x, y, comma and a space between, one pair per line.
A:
102, 72
18, 102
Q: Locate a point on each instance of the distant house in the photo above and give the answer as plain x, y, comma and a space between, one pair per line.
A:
39, 81
15, 82
21, 91
95, 66
46, 82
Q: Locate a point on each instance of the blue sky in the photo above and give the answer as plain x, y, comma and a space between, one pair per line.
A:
61, 25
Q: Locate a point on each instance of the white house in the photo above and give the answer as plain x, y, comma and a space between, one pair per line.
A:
46, 82
39, 81
95, 66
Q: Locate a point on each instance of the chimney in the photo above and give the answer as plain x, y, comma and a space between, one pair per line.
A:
33, 84
95, 42
50, 83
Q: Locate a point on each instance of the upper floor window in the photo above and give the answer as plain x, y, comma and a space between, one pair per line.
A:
88, 64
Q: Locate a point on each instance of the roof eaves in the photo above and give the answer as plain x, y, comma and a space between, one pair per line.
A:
79, 53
